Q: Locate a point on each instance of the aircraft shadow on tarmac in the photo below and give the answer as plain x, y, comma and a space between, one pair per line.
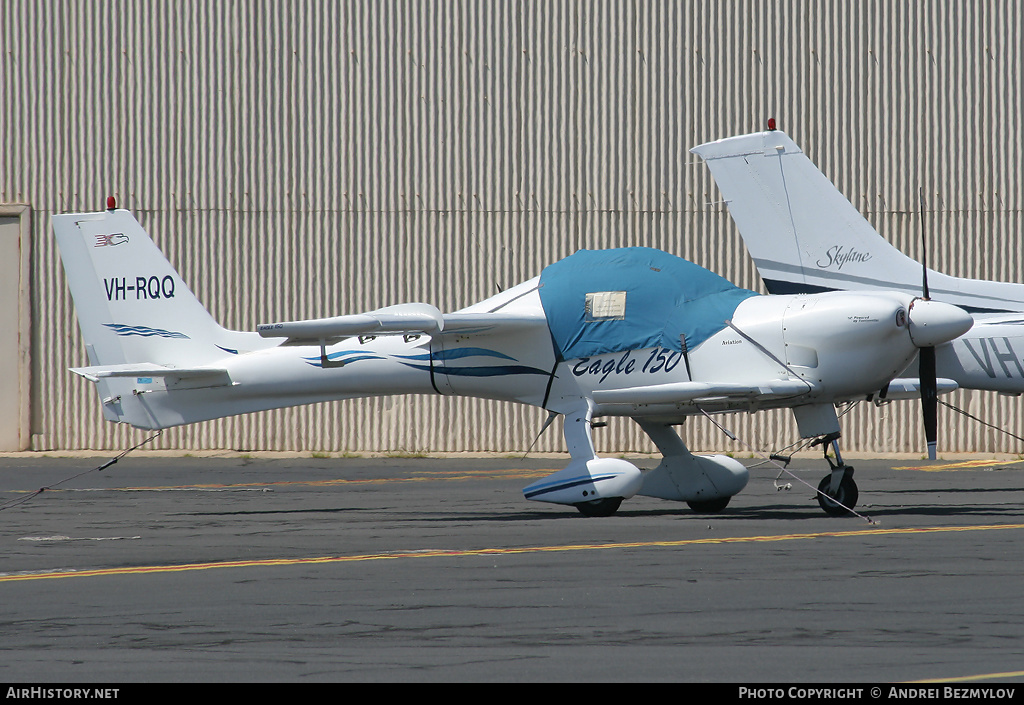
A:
744, 514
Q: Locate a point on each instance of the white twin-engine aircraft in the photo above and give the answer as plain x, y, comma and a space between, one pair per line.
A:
806, 237
627, 332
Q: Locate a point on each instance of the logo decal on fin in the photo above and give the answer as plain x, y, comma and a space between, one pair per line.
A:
837, 256
111, 240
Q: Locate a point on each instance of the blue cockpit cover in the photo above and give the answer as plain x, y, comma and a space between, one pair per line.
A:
666, 297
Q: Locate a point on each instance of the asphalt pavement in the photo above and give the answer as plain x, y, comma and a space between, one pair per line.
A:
304, 569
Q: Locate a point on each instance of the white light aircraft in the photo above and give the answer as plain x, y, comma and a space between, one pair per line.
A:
630, 332
806, 237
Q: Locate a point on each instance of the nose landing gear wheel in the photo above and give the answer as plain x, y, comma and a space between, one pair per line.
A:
599, 507
847, 496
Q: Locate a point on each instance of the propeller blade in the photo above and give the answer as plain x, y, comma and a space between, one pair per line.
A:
926, 358
929, 398
924, 248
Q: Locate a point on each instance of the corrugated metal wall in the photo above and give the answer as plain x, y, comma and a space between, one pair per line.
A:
301, 159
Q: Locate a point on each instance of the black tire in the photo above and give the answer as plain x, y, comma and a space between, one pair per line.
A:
847, 495
709, 506
599, 507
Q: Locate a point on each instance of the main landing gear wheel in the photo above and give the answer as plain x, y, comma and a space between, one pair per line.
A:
846, 496
709, 506
599, 507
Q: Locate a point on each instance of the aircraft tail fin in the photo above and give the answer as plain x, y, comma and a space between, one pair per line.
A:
144, 330
132, 306
802, 233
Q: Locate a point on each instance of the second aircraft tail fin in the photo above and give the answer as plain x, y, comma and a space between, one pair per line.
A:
805, 236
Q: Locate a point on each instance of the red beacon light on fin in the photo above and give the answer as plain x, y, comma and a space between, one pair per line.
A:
111, 203
771, 124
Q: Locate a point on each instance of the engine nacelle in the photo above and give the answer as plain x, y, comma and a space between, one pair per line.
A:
598, 478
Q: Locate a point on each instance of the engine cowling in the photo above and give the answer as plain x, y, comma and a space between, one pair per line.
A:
846, 343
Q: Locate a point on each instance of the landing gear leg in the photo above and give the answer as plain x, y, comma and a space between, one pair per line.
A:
837, 492
595, 486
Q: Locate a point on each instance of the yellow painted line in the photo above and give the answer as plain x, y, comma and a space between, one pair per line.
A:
957, 466
980, 677
432, 553
485, 473
950, 466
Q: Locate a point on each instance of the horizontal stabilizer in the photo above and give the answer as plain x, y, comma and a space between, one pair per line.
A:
693, 392
403, 318
216, 376
910, 388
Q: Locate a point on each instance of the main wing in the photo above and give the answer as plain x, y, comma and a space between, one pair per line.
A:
702, 392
